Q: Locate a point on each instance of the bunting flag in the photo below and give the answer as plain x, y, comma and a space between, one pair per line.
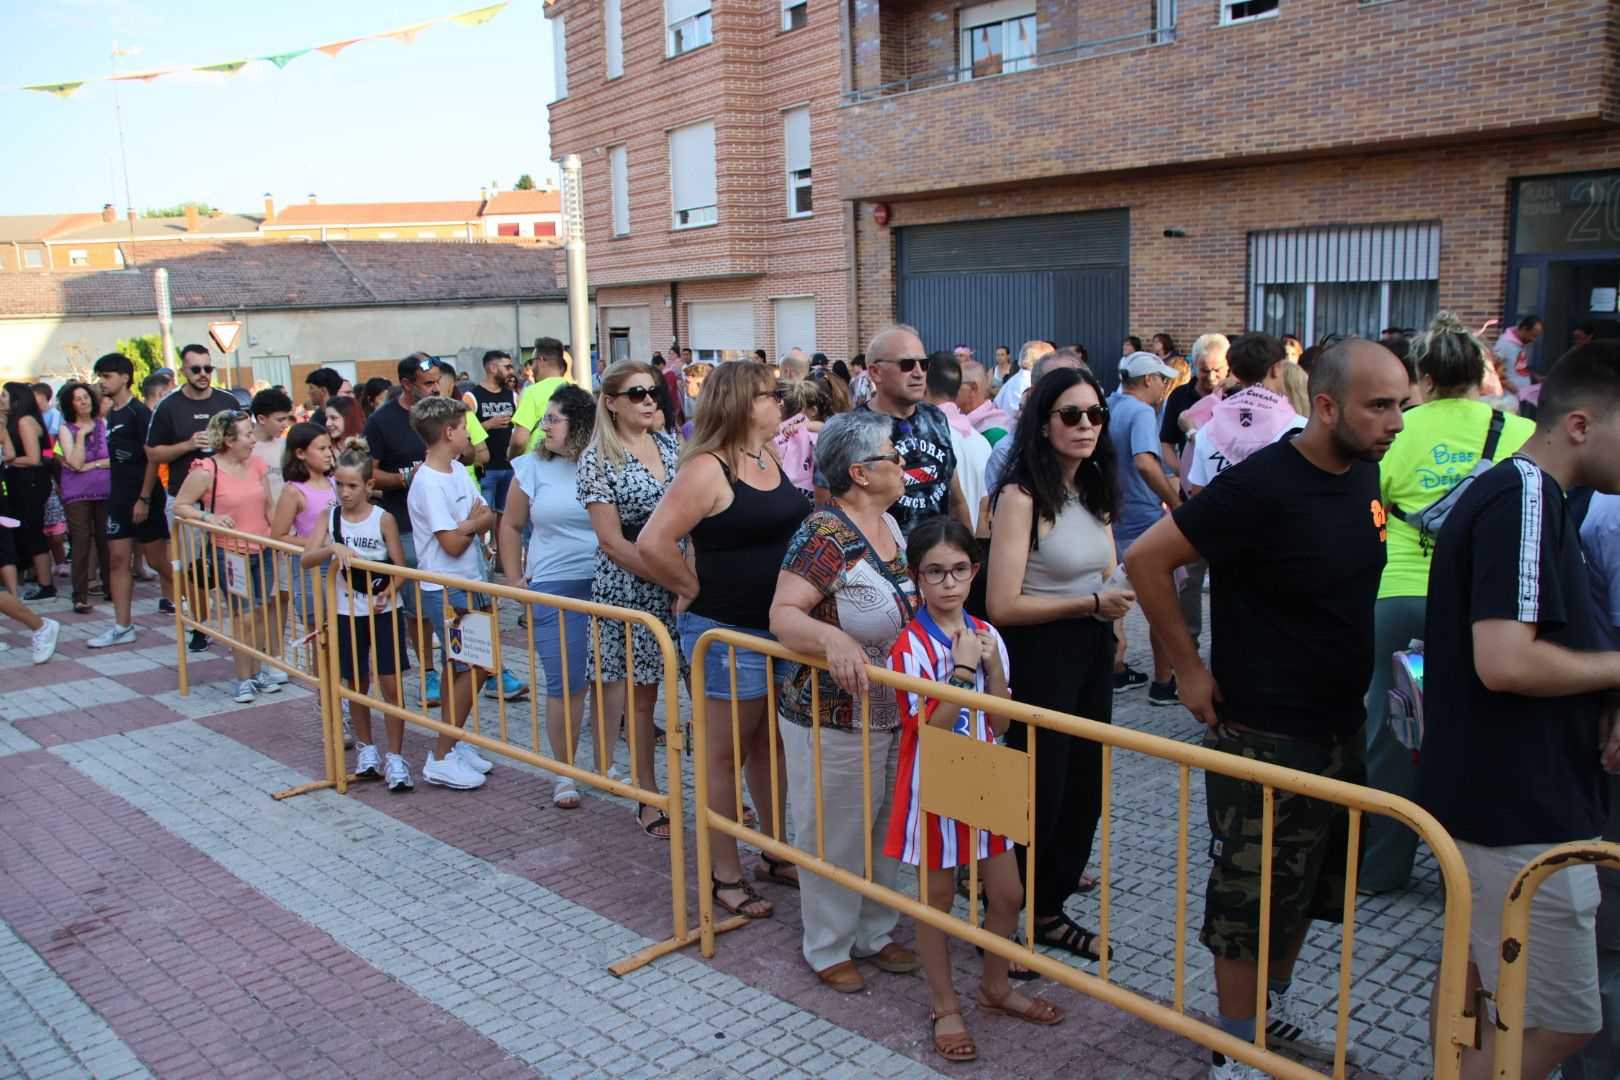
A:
405, 34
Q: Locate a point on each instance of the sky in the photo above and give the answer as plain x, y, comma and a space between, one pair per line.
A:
436, 119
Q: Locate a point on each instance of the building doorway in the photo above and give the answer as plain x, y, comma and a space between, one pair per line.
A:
1564, 261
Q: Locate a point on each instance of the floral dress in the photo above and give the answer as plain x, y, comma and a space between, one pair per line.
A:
636, 494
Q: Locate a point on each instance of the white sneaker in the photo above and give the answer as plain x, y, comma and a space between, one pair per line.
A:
113, 635
1232, 1069
272, 676
266, 686
44, 641
348, 731
469, 756
367, 764
1288, 1026
397, 774
451, 773
246, 691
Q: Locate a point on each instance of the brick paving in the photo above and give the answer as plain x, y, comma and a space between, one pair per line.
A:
160, 915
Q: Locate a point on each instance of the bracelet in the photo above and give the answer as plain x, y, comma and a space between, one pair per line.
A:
970, 669
1096, 604
143, 498
962, 683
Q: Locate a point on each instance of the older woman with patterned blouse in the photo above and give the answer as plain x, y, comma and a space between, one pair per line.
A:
843, 593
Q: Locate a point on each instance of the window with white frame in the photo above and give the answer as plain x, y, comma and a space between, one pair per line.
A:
1344, 279
1240, 11
118, 256
33, 258
613, 37
795, 14
426, 234
619, 183
559, 55
692, 176
78, 257
686, 26
997, 38
386, 234
796, 134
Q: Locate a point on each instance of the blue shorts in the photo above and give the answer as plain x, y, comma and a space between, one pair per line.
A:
493, 487
548, 637
751, 682
409, 590
261, 576
433, 604
303, 585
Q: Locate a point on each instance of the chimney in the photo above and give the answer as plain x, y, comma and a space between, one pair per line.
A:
269, 209
483, 194
131, 216
312, 198
108, 213
191, 217
216, 213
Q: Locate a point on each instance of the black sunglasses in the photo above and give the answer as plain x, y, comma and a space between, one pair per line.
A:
1071, 414
777, 394
907, 363
637, 394
195, 368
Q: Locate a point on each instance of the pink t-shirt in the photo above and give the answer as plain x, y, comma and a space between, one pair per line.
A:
245, 501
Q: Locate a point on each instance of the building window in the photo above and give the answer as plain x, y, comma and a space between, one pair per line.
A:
118, 256
33, 258
796, 134
619, 183
692, 175
559, 56
78, 257
997, 38
426, 234
1238, 11
1353, 280
613, 36
795, 324
507, 228
687, 25
795, 14
387, 235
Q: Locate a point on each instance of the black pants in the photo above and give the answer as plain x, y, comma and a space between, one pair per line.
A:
1066, 666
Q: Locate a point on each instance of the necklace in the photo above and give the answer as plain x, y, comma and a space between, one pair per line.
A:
759, 458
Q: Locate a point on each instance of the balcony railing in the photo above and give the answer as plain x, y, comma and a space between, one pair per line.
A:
1069, 54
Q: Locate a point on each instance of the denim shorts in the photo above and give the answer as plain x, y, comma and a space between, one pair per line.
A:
433, 604
261, 575
409, 590
548, 638
493, 486
751, 682
303, 586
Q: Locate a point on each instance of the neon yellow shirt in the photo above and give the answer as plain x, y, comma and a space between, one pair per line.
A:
533, 401
478, 436
1440, 445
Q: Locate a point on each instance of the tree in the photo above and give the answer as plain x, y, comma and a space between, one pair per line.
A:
177, 210
524, 183
145, 352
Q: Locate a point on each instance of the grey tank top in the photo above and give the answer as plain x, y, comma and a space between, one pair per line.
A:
1070, 559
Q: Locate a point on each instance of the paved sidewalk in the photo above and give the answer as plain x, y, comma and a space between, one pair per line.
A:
161, 915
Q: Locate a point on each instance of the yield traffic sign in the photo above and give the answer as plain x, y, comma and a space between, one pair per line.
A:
225, 334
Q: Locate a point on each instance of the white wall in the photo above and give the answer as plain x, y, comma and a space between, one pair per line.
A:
38, 346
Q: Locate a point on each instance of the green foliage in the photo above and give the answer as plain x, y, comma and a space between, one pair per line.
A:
177, 210
524, 183
146, 352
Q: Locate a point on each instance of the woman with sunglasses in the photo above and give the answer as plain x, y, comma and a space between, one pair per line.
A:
733, 501
622, 476
843, 593
1052, 594
231, 490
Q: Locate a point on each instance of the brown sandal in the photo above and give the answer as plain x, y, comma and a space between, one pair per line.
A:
953, 1045
751, 898
1039, 1011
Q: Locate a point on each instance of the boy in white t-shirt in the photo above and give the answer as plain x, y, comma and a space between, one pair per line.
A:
447, 514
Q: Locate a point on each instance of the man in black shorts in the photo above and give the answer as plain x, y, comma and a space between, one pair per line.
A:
1294, 536
135, 510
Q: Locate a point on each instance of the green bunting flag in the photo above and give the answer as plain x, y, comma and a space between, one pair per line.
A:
281, 60
61, 90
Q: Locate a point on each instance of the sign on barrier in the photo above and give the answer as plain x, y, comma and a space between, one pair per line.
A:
472, 640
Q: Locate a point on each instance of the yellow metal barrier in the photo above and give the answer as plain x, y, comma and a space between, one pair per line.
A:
960, 789
1513, 981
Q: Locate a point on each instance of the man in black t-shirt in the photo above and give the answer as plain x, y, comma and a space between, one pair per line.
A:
396, 452
1516, 739
494, 403
1294, 536
178, 435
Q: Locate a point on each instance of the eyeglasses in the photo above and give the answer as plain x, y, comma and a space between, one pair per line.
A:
892, 457
1071, 414
636, 394
777, 394
199, 368
907, 363
936, 575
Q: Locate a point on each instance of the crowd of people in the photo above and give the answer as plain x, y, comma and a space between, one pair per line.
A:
983, 524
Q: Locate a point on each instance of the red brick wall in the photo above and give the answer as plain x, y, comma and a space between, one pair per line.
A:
1194, 284
1324, 76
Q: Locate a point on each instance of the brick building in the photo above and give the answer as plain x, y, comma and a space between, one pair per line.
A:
1080, 171
708, 137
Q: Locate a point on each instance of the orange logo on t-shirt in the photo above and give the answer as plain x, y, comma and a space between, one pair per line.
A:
1380, 519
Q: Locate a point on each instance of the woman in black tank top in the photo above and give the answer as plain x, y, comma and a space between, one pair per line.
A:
731, 501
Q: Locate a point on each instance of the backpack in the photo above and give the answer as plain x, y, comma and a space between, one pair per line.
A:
1406, 697
1428, 520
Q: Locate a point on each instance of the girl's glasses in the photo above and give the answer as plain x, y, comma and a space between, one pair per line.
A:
1071, 414
936, 575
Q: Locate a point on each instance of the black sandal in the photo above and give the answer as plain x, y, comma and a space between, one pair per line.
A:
751, 898
659, 822
1015, 971
770, 869
1074, 938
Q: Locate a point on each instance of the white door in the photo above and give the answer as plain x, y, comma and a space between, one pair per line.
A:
344, 368
796, 324
275, 370
634, 323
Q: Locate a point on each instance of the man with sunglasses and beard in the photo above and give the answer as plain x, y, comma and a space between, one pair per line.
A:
1294, 537
921, 433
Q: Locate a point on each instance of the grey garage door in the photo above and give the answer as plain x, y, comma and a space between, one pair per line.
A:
1060, 277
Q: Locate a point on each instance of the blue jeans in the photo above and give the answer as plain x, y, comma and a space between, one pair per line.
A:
493, 488
548, 636
433, 605
751, 681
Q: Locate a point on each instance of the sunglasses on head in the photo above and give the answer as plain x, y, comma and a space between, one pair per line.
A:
200, 368
637, 394
907, 363
1071, 414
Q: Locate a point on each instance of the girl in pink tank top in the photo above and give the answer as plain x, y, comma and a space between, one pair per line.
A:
306, 467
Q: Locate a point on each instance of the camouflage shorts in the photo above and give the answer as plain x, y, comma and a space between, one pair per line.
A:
1310, 841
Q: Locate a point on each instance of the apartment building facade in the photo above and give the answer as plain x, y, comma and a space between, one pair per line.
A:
708, 135
1041, 168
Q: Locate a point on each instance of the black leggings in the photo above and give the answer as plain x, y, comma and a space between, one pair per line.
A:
1066, 666
30, 490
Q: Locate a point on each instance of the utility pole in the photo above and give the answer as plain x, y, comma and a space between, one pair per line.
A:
579, 309
160, 282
